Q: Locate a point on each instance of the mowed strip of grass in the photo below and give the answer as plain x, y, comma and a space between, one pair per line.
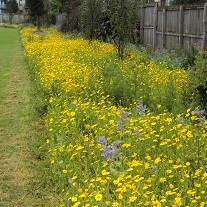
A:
23, 181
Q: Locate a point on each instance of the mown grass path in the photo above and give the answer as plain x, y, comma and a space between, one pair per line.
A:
20, 177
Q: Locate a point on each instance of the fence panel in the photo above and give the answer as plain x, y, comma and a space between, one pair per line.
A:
17, 18
172, 21
166, 27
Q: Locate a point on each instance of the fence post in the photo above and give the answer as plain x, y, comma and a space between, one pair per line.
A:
205, 27
155, 27
142, 16
181, 25
163, 26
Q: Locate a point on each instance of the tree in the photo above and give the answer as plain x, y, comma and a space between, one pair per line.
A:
12, 8
36, 10
71, 9
122, 15
92, 15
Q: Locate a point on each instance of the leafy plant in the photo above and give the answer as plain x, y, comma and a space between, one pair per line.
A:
199, 77
36, 10
122, 15
12, 8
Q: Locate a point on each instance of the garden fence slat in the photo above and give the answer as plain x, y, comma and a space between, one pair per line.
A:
17, 18
172, 27
205, 27
163, 26
181, 29
155, 27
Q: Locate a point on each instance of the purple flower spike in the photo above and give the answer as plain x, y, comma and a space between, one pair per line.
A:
124, 114
141, 109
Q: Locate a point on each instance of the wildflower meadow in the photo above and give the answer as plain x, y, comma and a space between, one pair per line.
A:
120, 132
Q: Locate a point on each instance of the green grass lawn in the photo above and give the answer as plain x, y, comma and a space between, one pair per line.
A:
23, 181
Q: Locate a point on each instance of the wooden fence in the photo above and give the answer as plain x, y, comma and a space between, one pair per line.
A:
17, 18
173, 27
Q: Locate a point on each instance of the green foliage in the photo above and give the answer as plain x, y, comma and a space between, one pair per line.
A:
199, 77
72, 15
36, 10
187, 57
183, 58
36, 7
55, 6
12, 8
122, 14
91, 17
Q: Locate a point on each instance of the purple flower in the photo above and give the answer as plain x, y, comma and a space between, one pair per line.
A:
180, 119
137, 133
153, 168
102, 140
124, 114
199, 112
119, 125
141, 109
111, 152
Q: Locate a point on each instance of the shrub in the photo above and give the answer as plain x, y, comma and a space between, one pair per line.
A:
199, 77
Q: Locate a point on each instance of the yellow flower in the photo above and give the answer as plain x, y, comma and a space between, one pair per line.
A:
168, 171
77, 204
79, 148
65, 171
126, 145
72, 113
104, 172
112, 122
162, 180
135, 163
115, 204
159, 106
74, 199
198, 185
98, 197
148, 158
132, 199
187, 163
120, 196
157, 160
178, 201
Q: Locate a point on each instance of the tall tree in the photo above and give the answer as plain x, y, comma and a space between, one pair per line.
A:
92, 14
71, 9
36, 10
12, 8
122, 15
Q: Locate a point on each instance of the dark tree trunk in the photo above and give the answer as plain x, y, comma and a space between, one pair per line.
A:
10, 18
38, 23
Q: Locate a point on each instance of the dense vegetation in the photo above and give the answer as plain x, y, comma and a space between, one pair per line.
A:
128, 132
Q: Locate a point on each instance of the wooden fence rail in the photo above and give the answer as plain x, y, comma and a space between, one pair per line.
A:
173, 27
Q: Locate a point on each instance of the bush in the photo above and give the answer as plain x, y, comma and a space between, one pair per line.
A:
199, 77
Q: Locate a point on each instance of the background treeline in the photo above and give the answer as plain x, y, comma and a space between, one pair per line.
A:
90, 16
